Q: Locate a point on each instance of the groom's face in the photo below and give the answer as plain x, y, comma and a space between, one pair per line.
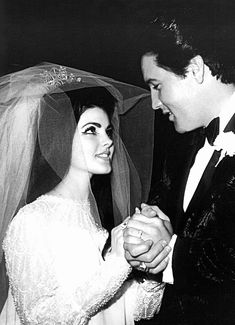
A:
175, 95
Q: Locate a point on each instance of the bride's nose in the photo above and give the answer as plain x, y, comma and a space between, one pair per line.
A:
107, 141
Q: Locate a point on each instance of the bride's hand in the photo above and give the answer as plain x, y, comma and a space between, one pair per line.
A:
117, 240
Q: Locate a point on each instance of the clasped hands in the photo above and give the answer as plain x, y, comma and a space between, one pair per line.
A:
146, 238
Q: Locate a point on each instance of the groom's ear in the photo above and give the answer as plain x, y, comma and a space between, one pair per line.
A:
197, 68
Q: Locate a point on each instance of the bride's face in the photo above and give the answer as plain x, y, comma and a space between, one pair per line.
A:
92, 148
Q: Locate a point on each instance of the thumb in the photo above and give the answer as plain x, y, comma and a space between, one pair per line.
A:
148, 211
149, 243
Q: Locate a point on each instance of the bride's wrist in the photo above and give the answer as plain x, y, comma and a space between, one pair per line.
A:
113, 255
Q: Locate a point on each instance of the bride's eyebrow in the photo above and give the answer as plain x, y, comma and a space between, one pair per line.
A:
93, 123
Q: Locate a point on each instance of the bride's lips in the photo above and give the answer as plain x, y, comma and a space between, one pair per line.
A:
105, 155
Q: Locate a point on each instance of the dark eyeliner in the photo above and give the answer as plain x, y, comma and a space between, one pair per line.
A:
109, 132
90, 128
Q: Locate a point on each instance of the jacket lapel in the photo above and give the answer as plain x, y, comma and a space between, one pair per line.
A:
197, 141
231, 125
205, 181
207, 176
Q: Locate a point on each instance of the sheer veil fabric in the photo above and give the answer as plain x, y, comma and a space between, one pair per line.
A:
36, 111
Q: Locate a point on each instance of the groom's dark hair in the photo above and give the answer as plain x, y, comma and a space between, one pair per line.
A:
196, 27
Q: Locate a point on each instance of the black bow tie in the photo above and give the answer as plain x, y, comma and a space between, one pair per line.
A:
212, 130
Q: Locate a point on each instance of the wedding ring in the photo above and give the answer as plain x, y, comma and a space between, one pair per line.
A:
143, 267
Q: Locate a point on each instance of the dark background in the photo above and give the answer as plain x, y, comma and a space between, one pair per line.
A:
93, 35
99, 36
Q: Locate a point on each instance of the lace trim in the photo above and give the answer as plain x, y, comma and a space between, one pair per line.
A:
84, 204
58, 76
61, 198
67, 314
149, 299
108, 285
37, 293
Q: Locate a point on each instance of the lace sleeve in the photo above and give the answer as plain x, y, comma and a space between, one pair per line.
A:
145, 297
54, 282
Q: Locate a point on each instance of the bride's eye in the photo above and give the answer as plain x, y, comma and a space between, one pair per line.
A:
90, 130
109, 132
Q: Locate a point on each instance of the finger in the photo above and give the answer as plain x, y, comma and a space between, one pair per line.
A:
155, 208
137, 233
131, 260
148, 206
143, 205
154, 229
136, 250
160, 267
156, 254
160, 213
169, 227
147, 211
133, 240
138, 223
144, 221
157, 265
159, 259
137, 211
139, 217
133, 232
128, 256
134, 263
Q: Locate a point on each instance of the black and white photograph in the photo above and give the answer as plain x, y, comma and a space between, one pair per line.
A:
117, 162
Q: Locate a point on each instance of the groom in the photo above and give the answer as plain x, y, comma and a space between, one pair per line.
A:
189, 66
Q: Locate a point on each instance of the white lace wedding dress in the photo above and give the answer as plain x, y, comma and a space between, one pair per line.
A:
57, 273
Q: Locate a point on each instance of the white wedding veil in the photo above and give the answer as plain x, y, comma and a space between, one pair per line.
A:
36, 113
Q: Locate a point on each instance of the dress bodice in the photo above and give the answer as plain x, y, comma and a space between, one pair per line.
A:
57, 274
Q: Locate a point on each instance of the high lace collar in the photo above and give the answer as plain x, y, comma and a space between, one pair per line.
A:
61, 198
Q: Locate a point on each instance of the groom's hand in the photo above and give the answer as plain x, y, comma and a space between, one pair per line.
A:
142, 227
151, 211
153, 228
155, 255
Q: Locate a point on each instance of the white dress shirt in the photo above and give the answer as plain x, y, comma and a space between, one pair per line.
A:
202, 158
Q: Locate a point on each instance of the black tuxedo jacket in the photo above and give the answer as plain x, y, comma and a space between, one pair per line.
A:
204, 253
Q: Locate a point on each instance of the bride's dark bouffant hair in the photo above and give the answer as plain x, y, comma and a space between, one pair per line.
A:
43, 178
89, 97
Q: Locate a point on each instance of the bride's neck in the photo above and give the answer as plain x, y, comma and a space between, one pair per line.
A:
74, 185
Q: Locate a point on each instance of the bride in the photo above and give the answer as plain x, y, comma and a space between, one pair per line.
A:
60, 129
